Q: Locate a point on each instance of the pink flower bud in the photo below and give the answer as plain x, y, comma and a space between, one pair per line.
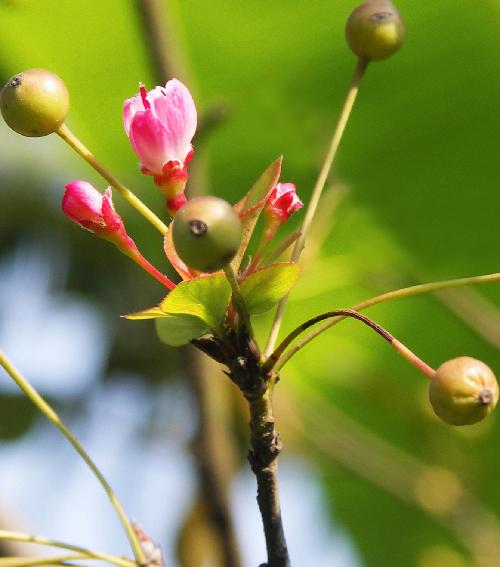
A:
83, 204
160, 125
283, 201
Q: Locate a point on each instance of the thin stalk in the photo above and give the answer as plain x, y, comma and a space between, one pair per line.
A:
52, 416
33, 561
238, 298
67, 135
396, 294
318, 188
400, 347
38, 540
281, 248
138, 258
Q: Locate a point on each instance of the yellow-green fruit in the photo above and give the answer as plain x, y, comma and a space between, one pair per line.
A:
463, 391
206, 233
34, 102
375, 30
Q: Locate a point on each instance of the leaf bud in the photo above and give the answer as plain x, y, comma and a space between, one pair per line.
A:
463, 391
375, 30
35, 102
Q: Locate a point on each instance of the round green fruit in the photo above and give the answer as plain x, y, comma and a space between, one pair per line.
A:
206, 233
463, 391
375, 30
34, 102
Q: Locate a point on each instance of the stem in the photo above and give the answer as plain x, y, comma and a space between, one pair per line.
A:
319, 186
266, 446
403, 292
38, 540
400, 347
139, 259
33, 561
67, 135
238, 298
52, 416
282, 247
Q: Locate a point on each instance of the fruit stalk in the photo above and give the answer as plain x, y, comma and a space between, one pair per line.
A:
352, 93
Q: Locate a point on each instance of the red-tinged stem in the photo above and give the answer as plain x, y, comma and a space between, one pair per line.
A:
410, 356
139, 259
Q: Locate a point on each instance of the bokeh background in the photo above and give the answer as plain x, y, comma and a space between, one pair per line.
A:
370, 477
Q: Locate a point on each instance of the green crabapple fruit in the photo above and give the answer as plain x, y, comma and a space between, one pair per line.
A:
35, 102
375, 30
463, 391
206, 233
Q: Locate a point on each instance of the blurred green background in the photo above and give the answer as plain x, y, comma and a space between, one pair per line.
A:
418, 174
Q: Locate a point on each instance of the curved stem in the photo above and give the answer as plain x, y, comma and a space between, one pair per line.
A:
67, 135
38, 540
398, 293
51, 415
318, 188
400, 347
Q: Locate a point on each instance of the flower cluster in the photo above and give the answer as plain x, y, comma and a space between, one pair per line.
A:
161, 124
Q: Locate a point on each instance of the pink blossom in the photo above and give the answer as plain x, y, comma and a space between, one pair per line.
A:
283, 201
83, 204
160, 125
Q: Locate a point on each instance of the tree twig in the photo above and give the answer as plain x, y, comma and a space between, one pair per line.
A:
266, 446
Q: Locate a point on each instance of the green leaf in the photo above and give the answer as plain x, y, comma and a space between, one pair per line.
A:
151, 313
177, 330
205, 297
250, 207
264, 288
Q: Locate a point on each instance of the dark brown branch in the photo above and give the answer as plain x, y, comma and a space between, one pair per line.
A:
266, 446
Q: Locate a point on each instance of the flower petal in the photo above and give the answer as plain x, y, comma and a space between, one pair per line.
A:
130, 107
150, 141
177, 112
82, 202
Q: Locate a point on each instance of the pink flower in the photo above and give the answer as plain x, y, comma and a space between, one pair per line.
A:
283, 201
83, 204
160, 125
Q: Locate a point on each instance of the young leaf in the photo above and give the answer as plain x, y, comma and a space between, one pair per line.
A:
151, 313
177, 330
250, 207
205, 297
266, 287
